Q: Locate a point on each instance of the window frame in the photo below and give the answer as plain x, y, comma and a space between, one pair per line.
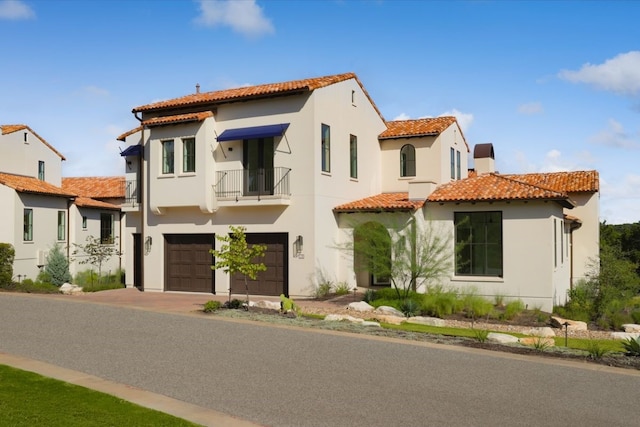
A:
408, 165
452, 152
325, 147
107, 228
84, 222
168, 157
458, 166
41, 170
189, 158
353, 156
483, 248
27, 225
62, 226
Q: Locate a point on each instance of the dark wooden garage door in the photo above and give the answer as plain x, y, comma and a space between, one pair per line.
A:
275, 280
188, 262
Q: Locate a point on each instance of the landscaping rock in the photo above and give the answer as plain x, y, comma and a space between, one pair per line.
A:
541, 332
631, 327
501, 338
370, 323
341, 317
625, 335
573, 325
360, 306
537, 341
69, 289
429, 321
391, 311
393, 320
272, 305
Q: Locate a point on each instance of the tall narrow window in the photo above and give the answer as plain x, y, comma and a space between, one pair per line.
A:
106, 229
453, 163
458, 174
41, 170
84, 222
62, 225
408, 160
189, 155
353, 156
28, 225
167, 156
326, 148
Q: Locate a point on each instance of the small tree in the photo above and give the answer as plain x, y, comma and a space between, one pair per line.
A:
58, 266
96, 253
236, 256
7, 254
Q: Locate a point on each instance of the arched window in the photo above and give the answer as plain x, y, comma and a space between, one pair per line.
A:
408, 160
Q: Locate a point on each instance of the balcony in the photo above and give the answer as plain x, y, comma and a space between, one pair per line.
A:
253, 187
131, 196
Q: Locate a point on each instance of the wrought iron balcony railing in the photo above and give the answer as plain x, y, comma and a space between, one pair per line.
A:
252, 183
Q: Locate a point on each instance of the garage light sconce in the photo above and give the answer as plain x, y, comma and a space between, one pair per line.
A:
298, 247
147, 245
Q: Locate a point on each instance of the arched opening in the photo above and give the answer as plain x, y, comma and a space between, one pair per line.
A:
372, 255
408, 160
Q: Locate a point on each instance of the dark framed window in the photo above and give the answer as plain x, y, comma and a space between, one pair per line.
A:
453, 163
167, 156
458, 171
62, 225
41, 170
189, 155
106, 229
353, 156
326, 148
84, 222
478, 243
408, 160
28, 225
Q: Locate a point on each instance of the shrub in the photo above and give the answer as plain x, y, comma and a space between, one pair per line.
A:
410, 307
58, 266
512, 309
211, 306
635, 315
439, 302
632, 346
234, 304
342, 288
7, 254
475, 306
596, 350
481, 334
369, 295
29, 286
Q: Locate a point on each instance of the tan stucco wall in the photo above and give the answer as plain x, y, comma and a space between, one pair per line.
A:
20, 157
586, 239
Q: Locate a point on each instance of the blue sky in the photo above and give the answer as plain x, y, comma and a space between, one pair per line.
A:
553, 85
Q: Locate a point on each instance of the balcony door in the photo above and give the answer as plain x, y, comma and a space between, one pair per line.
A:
258, 166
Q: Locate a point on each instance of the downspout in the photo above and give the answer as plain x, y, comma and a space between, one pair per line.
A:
142, 205
68, 225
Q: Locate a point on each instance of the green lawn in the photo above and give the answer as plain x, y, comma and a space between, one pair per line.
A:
28, 399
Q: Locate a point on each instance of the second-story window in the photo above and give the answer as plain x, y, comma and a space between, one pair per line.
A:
453, 163
167, 156
41, 170
28, 225
326, 148
353, 156
408, 160
458, 174
189, 155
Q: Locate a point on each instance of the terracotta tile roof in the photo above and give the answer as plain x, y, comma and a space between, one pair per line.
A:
259, 91
571, 182
178, 118
128, 133
87, 202
28, 184
419, 127
382, 202
7, 129
103, 187
495, 187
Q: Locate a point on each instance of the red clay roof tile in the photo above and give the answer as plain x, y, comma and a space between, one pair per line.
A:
128, 133
28, 184
7, 129
382, 202
87, 202
571, 182
416, 128
103, 187
178, 118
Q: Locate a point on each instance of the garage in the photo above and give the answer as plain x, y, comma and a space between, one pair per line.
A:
188, 262
275, 280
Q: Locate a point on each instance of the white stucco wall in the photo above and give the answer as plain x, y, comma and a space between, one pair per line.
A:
586, 238
7, 215
20, 157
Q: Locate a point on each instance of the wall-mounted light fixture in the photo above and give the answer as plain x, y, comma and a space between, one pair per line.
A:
298, 247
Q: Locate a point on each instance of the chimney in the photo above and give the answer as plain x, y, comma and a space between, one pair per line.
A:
197, 87
484, 159
420, 190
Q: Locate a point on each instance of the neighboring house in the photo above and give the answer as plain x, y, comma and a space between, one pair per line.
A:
95, 213
302, 164
38, 211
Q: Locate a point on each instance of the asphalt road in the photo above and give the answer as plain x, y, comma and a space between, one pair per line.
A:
296, 377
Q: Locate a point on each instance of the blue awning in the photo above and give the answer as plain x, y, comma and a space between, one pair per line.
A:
132, 150
253, 132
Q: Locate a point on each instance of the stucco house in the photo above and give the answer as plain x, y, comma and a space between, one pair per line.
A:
302, 163
39, 211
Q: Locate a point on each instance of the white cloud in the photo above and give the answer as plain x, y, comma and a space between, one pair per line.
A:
402, 116
244, 17
531, 108
15, 10
622, 199
614, 136
553, 161
620, 74
464, 119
